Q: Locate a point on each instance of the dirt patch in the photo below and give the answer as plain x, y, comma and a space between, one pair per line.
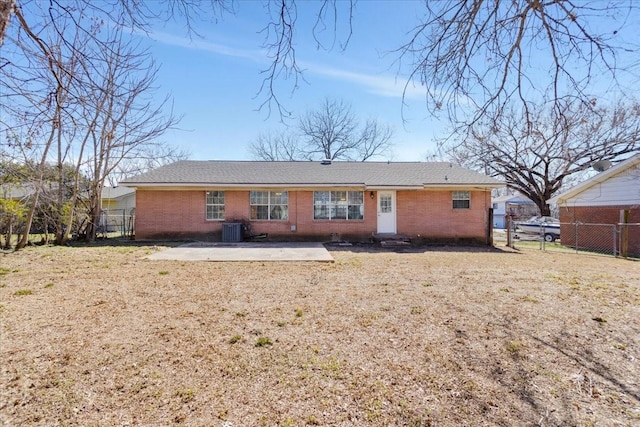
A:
415, 337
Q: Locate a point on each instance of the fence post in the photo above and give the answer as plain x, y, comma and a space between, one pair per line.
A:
624, 233
575, 237
490, 228
615, 240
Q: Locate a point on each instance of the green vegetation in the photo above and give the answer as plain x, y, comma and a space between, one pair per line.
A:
263, 341
619, 346
185, 394
515, 347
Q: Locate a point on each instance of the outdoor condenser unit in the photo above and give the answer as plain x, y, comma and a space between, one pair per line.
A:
232, 232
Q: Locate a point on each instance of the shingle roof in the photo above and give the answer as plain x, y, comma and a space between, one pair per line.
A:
307, 173
116, 192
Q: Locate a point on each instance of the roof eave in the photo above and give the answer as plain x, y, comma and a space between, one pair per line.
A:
597, 179
368, 187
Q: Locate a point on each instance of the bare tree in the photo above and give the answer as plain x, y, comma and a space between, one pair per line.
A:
539, 153
40, 101
374, 140
333, 132
275, 147
119, 120
330, 132
477, 58
91, 91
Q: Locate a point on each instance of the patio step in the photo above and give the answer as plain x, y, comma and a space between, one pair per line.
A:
391, 239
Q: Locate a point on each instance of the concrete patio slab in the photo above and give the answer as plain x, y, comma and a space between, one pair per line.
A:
203, 251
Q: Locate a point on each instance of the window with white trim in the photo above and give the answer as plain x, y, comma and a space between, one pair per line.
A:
461, 199
214, 205
269, 205
338, 205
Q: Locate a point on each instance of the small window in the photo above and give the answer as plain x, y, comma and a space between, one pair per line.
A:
269, 205
336, 205
386, 203
215, 205
461, 200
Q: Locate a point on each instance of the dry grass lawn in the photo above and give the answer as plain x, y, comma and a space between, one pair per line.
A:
100, 336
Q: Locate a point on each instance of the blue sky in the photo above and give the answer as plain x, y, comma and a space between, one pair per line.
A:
214, 79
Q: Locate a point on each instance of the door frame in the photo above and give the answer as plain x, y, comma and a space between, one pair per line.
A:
391, 217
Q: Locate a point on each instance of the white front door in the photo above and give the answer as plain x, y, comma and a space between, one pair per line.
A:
387, 212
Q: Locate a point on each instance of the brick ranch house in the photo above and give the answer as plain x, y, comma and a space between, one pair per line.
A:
304, 200
599, 200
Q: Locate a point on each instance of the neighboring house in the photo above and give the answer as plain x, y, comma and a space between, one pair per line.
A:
517, 205
118, 198
314, 200
600, 199
118, 208
24, 191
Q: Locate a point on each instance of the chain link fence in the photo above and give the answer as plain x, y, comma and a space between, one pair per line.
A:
116, 223
603, 239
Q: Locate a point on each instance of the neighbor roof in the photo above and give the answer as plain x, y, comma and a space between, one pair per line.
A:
518, 198
312, 174
597, 179
116, 192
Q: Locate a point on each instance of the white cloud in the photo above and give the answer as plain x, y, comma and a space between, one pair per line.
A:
387, 86
382, 85
205, 46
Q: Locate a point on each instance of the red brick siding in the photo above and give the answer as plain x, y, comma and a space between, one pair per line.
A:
430, 215
425, 214
172, 214
599, 215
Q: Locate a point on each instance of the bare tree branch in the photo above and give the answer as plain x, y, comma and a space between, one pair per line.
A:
539, 153
279, 41
92, 91
477, 58
278, 147
330, 132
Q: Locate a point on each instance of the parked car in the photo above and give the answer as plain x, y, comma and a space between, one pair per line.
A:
540, 225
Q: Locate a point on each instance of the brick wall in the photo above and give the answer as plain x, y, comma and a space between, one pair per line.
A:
598, 215
427, 215
173, 214
430, 216
600, 237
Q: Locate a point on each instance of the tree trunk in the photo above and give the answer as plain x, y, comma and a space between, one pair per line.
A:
545, 210
6, 9
27, 224
94, 215
63, 237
